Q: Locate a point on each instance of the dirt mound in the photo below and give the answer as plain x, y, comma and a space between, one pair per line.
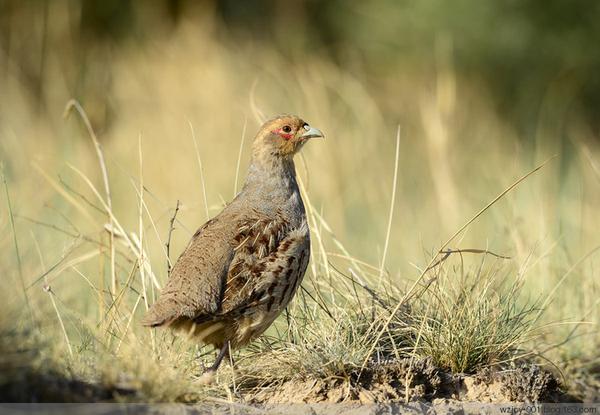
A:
420, 380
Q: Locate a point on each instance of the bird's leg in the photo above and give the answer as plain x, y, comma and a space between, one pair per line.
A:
209, 375
222, 353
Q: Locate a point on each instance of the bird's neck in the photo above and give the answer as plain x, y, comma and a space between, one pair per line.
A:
272, 173
271, 187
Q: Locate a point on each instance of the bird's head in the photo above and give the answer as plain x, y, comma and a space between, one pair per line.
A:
283, 136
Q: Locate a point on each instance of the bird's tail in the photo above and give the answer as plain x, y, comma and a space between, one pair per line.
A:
159, 314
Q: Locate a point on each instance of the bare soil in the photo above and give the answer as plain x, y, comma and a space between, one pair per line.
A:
420, 380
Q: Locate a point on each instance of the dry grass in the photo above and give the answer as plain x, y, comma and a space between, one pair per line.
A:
85, 229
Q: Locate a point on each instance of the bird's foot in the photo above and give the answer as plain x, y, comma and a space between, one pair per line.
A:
207, 377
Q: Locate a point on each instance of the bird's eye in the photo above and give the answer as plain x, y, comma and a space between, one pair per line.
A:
287, 129
306, 127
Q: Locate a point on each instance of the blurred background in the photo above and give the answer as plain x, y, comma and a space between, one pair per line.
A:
474, 86
516, 52
482, 93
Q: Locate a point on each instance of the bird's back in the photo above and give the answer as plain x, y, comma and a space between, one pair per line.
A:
196, 283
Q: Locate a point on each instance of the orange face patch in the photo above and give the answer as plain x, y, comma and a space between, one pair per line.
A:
281, 133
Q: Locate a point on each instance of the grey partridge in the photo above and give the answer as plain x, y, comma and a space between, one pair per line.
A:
242, 267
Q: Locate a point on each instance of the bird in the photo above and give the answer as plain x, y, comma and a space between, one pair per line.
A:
241, 268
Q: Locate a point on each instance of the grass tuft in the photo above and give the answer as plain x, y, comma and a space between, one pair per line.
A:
470, 320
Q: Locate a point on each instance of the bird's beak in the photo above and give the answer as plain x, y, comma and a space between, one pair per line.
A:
312, 133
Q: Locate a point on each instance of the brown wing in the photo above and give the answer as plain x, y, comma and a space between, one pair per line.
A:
274, 278
257, 242
197, 281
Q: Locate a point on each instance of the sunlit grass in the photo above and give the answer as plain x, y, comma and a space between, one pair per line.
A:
92, 214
